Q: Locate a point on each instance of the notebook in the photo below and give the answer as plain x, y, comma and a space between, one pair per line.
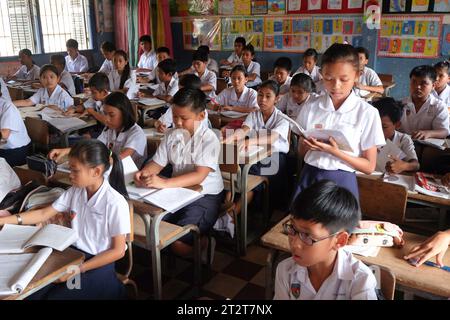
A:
172, 199
129, 170
386, 152
407, 181
64, 124
17, 239
151, 101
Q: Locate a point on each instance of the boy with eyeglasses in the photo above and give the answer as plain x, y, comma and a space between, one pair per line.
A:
323, 216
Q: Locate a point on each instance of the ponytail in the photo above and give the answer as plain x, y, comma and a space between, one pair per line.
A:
125, 75
116, 178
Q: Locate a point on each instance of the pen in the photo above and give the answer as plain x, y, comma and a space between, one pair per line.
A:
432, 264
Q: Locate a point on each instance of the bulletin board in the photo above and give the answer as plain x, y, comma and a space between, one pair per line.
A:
324, 6
202, 31
183, 8
287, 34
410, 36
416, 6
251, 28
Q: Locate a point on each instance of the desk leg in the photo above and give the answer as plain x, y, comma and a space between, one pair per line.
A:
269, 273
65, 140
244, 206
141, 117
156, 258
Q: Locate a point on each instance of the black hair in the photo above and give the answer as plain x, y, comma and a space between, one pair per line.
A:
283, 63
389, 107
424, 71
26, 52
120, 101
126, 71
272, 85
326, 203
339, 52
303, 81
249, 48
239, 68
108, 46
204, 49
200, 56
72, 43
363, 50
190, 81
49, 67
99, 81
192, 98
240, 40
92, 152
59, 59
168, 66
163, 49
311, 52
145, 38
442, 65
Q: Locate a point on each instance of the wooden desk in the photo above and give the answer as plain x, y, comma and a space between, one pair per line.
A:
54, 268
143, 109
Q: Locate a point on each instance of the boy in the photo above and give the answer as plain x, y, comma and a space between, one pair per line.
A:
236, 57
148, 60
424, 116
66, 81
108, 49
162, 53
442, 87
391, 112
211, 65
168, 86
323, 216
281, 74
75, 62
208, 78
368, 80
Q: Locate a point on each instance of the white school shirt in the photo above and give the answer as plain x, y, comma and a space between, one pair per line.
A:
148, 60
356, 119
185, 153
10, 119
368, 78
275, 123
24, 74
350, 280
5, 91
234, 58
405, 143
228, 97
67, 80
169, 90
106, 67
93, 104
212, 65
291, 108
130, 84
315, 73
167, 119
284, 88
444, 96
209, 77
59, 97
433, 115
134, 138
79, 64
96, 220
253, 67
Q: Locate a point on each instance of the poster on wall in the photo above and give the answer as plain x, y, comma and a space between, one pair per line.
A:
329, 30
355, 4
419, 5
197, 32
182, 8
242, 7
287, 34
334, 5
445, 51
259, 7
314, 4
442, 6
294, 5
104, 16
251, 28
397, 5
410, 36
276, 6
226, 7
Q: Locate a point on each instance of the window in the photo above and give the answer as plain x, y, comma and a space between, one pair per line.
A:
59, 20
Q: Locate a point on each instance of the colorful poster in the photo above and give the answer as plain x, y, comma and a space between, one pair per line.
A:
445, 51
419, 5
276, 6
197, 32
372, 14
259, 7
294, 5
287, 34
397, 6
410, 36
242, 7
442, 6
226, 7
334, 5
355, 4
251, 28
314, 4
181, 8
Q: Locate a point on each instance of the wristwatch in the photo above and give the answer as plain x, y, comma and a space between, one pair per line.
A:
19, 219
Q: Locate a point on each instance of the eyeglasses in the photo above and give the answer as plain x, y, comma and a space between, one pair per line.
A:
290, 230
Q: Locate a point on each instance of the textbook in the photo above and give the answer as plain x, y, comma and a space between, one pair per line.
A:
430, 185
440, 144
152, 102
19, 269
129, 170
17, 239
62, 123
233, 114
386, 153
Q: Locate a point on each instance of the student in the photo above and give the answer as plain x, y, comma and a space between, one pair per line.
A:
281, 74
238, 98
322, 219
75, 62
168, 86
108, 49
236, 57
301, 90
122, 78
424, 116
51, 94
162, 53
147, 61
66, 80
29, 70
4, 92
253, 68
442, 84
15, 144
309, 66
339, 109
211, 65
369, 81
391, 112
208, 78
122, 135
99, 214
193, 151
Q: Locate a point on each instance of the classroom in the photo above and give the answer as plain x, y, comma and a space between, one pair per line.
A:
216, 150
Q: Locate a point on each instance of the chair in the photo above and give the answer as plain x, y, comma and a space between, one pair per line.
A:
388, 83
386, 281
38, 132
16, 93
221, 85
79, 84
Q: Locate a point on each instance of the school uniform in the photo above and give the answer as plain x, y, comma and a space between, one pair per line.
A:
167, 119
170, 90
130, 84
4, 90
59, 97
106, 67
357, 120
17, 147
185, 152
77, 65
314, 74
254, 67
96, 221
444, 96
234, 58
134, 138
368, 78
228, 97
433, 115
284, 88
350, 280
288, 106
213, 66
24, 74
210, 78
148, 60
405, 143
67, 81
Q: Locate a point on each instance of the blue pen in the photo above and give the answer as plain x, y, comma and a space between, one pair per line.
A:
432, 264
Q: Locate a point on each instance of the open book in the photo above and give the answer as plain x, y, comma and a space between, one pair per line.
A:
152, 102
431, 186
19, 269
63, 123
17, 239
233, 114
386, 152
440, 144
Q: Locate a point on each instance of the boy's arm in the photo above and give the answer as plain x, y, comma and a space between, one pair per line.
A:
100, 117
23, 103
377, 89
426, 134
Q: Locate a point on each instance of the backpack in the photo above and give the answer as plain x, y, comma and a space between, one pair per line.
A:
14, 199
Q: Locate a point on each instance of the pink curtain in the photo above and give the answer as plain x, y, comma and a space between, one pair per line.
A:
164, 34
121, 24
144, 19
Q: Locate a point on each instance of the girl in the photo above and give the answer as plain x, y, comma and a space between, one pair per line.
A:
4, 90
99, 213
339, 109
51, 94
309, 66
108, 50
442, 84
28, 71
122, 135
122, 78
253, 68
301, 89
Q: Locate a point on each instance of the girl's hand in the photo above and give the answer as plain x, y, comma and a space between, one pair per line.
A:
4, 213
70, 111
67, 276
437, 246
58, 154
315, 145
